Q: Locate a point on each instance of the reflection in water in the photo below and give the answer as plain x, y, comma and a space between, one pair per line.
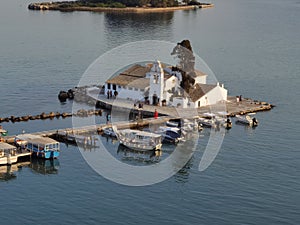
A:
182, 175
44, 166
38, 165
8, 172
138, 156
137, 26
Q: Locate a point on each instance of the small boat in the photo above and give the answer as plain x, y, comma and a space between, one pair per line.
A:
2, 131
42, 147
170, 134
208, 123
227, 124
109, 132
190, 125
172, 124
139, 140
247, 119
8, 154
223, 122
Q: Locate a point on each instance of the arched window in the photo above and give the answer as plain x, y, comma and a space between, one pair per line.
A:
155, 80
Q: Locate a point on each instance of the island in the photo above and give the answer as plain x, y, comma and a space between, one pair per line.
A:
131, 6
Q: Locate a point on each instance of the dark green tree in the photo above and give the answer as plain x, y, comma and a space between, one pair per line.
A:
186, 63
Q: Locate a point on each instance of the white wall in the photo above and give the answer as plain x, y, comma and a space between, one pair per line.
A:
182, 101
212, 97
126, 93
200, 79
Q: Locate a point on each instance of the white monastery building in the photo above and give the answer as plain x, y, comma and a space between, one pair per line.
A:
158, 85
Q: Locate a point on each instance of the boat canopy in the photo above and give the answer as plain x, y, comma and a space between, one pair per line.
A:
139, 133
38, 140
5, 146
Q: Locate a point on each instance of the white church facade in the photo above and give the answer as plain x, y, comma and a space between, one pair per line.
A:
157, 85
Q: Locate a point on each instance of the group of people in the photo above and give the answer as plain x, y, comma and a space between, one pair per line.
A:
239, 98
110, 94
140, 105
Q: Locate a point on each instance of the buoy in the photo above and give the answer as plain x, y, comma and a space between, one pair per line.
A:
57, 114
62, 96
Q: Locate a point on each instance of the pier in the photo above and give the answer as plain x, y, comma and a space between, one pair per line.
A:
232, 106
75, 134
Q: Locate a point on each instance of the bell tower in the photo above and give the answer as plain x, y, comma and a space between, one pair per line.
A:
156, 83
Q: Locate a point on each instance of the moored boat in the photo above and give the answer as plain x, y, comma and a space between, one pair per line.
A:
2, 131
223, 122
208, 123
247, 119
170, 134
139, 140
8, 154
42, 147
109, 132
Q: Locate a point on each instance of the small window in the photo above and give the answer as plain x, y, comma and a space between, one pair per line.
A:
119, 86
114, 87
130, 88
143, 90
136, 89
198, 103
155, 80
108, 86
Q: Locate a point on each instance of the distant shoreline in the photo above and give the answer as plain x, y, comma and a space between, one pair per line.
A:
55, 6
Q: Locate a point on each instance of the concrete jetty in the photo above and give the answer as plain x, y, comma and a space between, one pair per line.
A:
231, 106
87, 131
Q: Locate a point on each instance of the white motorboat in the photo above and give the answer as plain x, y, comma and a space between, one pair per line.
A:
209, 123
247, 119
172, 124
139, 140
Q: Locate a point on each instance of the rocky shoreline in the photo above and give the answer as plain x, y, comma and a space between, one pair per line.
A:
61, 6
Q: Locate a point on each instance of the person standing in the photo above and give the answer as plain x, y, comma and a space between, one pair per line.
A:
155, 114
107, 118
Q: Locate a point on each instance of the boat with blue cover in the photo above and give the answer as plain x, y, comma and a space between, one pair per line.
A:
42, 147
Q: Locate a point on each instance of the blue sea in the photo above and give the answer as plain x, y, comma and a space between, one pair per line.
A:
251, 46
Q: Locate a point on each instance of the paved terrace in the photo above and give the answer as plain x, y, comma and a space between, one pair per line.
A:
231, 107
